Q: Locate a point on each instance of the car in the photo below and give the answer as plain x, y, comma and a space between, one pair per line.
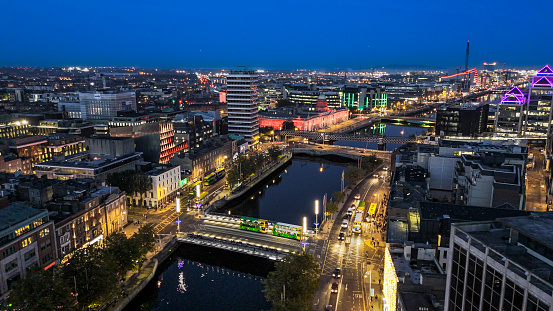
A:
334, 288
358, 196
328, 308
347, 216
341, 236
321, 147
349, 212
337, 273
345, 224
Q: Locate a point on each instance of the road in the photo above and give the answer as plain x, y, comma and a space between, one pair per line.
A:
536, 196
357, 256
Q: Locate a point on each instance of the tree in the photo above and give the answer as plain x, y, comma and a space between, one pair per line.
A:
274, 153
122, 180
142, 242
353, 173
331, 207
284, 103
370, 162
294, 282
41, 290
142, 184
338, 196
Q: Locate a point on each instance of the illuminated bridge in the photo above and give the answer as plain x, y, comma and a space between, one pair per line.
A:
348, 137
223, 232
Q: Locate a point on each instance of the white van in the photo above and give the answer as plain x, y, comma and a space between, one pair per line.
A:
358, 196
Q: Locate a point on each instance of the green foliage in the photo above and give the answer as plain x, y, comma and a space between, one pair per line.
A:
274, 153
95, 271
41, 290
131, 182
298, 276
338, 195
284, 103
370, 162
353, 173
331, 207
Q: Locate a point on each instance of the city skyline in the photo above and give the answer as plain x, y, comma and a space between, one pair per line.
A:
284, 35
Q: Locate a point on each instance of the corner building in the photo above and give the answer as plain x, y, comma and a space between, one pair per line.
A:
243, 105
504, 264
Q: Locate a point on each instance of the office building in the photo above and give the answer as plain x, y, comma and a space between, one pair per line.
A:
537, 120
504, 264
510, 113
302, 119
109, 147
96, 169
165, 184
307, 96
467, 120
104, 104
243, 105
193, 129
26, 240
364, 97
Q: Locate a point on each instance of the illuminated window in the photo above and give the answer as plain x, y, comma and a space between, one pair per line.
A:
44, 232
28, 241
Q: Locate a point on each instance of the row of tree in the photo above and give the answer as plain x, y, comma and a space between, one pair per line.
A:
92, 276
248, 165
132, 182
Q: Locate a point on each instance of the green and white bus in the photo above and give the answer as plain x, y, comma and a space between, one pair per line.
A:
287, 230
253, 224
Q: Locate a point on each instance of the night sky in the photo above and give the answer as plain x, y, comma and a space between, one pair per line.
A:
277, 34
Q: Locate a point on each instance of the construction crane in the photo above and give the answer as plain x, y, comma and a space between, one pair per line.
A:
465, 73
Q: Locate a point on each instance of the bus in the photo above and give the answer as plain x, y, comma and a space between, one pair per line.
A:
372, 211
357, 223
220, 173
287, 230
201, 199
253, 224
210, 179
193, 187
361, 208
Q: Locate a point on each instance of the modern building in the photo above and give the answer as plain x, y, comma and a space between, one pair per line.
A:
539, 104
109, 147
26, 240
243, 104
104, 104
96, 169
467, 120
193, 129
307, 96
510, 113
165, 184
504, 264
490, 179
14, 129
364, 97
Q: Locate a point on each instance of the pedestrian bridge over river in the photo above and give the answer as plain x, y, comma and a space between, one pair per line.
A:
348, 137
224, 232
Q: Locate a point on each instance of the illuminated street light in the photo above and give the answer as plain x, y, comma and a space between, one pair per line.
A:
304, 229
316, 216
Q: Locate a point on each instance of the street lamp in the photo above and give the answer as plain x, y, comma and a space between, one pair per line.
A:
316, 216
178, 215
304, 229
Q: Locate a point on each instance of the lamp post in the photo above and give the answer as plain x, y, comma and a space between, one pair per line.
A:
316, 216
304, 229
178, 215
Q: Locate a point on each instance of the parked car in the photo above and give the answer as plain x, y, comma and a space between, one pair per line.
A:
358, 196
341, 236
334, 288
345, 223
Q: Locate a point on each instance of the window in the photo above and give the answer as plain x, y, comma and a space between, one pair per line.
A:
9, 251
44, 245
11, 265
28, 241
47, 258
30, 254
44, 232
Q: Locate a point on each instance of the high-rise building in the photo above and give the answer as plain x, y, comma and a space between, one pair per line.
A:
462, 120
504, 264
538, 116
510, 113
243, 104
104, 105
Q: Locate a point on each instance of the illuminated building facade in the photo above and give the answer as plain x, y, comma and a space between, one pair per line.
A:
537, 121
364, 98
165, 184
243, 105
462, 120
14, 129
288, 117
498, 265
103, 105
510, 113
26, 240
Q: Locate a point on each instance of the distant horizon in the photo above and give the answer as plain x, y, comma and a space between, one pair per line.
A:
315, 35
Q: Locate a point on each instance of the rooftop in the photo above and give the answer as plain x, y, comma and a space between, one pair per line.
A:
432, 210
536, 226
17, 212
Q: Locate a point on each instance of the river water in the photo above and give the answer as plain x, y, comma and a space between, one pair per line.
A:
197, 278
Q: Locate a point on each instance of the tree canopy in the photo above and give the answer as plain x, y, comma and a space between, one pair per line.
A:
294, 282
353, 173
130, 181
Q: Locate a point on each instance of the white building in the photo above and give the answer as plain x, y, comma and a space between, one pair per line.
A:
165, 184
243, 105
105, 104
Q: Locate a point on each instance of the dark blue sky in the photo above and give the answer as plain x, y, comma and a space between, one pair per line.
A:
277, 34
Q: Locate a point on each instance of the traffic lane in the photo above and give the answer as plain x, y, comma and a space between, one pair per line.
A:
351, 295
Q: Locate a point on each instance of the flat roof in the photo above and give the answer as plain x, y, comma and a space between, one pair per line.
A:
18, 212
537, 226
433, 210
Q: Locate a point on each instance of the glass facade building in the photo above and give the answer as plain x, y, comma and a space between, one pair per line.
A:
243, 104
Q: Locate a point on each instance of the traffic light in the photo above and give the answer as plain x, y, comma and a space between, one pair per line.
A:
173, 101
180, 101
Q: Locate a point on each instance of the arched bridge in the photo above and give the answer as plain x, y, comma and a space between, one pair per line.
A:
349, 137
